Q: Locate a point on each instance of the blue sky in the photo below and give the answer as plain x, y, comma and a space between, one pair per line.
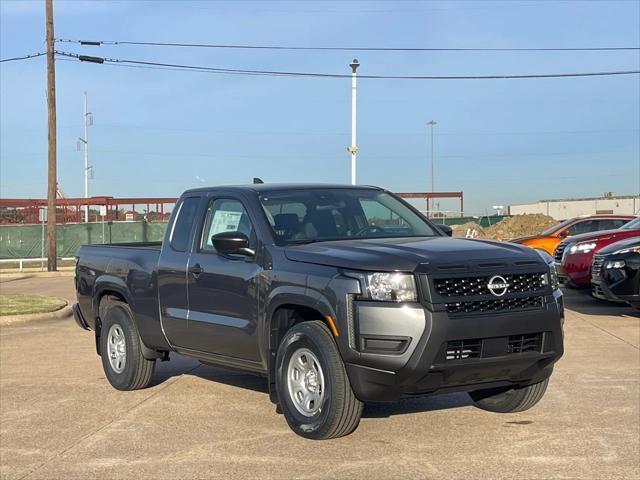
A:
158, 132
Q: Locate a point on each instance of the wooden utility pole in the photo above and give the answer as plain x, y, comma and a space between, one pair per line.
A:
52, 183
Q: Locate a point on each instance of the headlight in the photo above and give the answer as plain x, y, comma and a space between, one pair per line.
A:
582, 247
387, 287
628, 250
550, 278
615, 264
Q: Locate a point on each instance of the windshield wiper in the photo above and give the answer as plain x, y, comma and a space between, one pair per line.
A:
304, 242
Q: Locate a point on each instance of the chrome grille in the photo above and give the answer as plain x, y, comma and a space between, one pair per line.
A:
470, 286
557, 253
596, 266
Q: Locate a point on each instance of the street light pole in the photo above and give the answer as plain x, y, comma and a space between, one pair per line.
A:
353, 149
432, 123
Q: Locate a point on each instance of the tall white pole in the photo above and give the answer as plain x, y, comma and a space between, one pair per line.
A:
433, 174
86, 157
353, 149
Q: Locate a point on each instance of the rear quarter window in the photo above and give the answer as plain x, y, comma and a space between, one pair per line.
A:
181, 231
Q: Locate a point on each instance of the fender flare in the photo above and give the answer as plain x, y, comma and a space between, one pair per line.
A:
115, 284
290, 295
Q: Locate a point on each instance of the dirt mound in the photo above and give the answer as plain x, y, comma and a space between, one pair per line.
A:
519, 226
469, 229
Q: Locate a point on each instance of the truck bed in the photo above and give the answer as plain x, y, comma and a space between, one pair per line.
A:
130, 271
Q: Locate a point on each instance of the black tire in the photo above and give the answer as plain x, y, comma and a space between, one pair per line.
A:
339, 412
510, 401
137, 371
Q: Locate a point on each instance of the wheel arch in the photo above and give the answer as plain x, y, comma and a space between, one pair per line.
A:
117, 293
284, 312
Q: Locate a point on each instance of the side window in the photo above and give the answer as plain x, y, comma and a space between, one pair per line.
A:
225, 215
582, 227
181, 230
610, 224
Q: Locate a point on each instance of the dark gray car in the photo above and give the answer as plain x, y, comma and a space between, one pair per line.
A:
338, 295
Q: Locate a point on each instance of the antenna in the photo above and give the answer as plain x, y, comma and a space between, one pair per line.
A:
257, 180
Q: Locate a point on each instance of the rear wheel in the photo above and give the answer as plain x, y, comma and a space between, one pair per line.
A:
313, 388
510, 401
124, 365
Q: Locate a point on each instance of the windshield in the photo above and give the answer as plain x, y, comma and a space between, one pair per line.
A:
303, 216
633, 224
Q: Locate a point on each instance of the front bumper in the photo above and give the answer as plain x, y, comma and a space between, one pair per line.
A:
502, 349
574, 273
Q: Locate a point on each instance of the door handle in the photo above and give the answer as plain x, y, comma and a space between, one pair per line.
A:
196, 270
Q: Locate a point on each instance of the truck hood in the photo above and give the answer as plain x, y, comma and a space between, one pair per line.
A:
405, 254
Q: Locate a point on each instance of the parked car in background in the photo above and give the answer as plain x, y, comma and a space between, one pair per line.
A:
574, 255
615, 272
549, 239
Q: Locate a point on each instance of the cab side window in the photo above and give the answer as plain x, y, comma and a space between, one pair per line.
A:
181, 230
225, 215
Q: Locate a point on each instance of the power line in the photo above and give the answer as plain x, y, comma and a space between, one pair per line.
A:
277, 73
350, 49
24, 57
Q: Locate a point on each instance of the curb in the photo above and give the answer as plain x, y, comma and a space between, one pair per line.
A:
9, 276
64, 312
6, 278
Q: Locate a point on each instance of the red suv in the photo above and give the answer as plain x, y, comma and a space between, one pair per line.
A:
574, 254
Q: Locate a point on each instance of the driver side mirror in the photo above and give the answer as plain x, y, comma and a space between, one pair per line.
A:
446, 229
229, 243
563, 234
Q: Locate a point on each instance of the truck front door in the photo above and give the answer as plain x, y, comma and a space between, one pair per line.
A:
223, 289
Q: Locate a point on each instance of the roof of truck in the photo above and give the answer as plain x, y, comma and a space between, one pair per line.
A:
271, 187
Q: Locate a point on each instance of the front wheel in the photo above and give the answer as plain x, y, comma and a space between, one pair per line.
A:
512, 400
313, 388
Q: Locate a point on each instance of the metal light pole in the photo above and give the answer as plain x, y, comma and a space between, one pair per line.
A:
87, 120
353, 149
432, 123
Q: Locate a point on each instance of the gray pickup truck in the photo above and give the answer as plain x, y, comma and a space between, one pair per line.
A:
338, 295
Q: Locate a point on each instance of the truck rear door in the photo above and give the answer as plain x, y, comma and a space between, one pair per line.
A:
172, 271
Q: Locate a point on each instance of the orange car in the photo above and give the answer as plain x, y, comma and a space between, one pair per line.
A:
548, 239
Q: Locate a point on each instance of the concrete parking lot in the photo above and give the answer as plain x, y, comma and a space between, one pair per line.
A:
61, 419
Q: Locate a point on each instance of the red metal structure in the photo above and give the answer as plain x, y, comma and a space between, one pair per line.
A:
69, 210
429, 195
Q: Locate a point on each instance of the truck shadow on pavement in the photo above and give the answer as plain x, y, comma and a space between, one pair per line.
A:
581, 301
180, 365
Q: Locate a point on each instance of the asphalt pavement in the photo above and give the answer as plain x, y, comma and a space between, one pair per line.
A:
59, 418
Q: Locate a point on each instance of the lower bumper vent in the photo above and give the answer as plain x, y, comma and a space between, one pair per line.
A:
460, 349
479, 348
525, 343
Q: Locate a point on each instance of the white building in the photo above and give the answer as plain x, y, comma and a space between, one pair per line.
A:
573, 207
